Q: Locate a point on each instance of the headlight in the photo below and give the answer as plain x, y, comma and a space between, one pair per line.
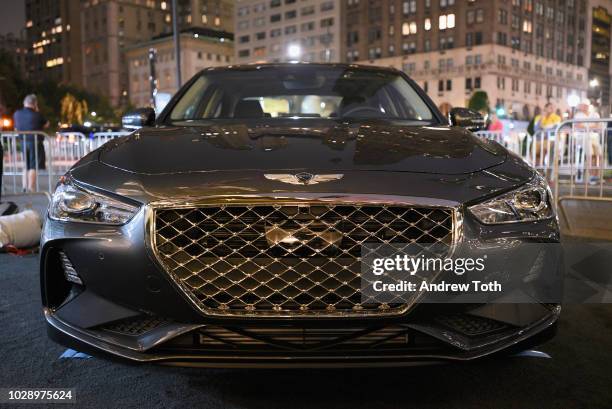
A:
71, 203
530, 202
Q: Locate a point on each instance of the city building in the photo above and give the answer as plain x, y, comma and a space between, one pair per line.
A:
53, 35
17, 48
108, 28
598, 52
523, 53
212, 14
200, 48
285, 30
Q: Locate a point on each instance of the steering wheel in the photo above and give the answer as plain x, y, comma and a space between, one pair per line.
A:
361, 108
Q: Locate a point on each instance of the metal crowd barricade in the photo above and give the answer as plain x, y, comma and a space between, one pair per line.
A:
16, 148
61, 152
582, 158
582, 162
100, 138
568, 154
496, 136
67, 149
510, 140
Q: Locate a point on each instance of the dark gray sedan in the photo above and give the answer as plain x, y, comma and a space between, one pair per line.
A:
230, 230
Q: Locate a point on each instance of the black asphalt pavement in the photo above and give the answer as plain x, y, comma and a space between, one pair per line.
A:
578, 374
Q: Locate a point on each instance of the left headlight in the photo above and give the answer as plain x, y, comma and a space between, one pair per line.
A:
74, 204
530, 202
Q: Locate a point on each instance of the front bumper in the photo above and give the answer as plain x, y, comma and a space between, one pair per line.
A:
124, 282
145, 350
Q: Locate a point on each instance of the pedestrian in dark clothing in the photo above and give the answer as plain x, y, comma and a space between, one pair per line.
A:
29, 119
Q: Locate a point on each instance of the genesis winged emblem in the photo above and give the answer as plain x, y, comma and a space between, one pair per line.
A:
303, 178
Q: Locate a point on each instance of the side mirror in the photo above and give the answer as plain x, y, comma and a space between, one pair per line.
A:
468, 119
138, 118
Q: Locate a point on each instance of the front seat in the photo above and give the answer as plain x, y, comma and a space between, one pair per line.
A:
248, 109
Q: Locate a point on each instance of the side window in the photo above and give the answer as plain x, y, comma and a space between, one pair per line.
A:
187, 106
387, 104
411, 102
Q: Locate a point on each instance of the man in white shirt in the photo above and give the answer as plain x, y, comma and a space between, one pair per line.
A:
591, 132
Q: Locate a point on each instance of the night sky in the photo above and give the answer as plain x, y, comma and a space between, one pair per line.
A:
12, 16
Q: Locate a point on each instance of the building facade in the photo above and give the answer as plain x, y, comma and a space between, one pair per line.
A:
523, 53
53, 35
518, 85
598, 52
17, 48
211, 14
200, 48
286, 30
108, 27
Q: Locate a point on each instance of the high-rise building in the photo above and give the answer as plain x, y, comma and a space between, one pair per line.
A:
212, 14
53, 34
285, 30
108, 28
523, 53
598, 52
17, 48
200, 48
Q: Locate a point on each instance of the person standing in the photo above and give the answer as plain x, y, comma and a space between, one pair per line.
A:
30, 119
549, 120
544, 126
591, 134
495, 125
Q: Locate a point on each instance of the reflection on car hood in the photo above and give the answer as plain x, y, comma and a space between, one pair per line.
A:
324, 145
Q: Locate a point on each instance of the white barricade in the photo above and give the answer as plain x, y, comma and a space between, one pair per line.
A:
51, 156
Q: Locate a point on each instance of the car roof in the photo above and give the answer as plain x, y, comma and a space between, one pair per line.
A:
258, 66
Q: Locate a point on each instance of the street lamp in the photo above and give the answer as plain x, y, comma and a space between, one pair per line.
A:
573, 100
594, 83
294, 51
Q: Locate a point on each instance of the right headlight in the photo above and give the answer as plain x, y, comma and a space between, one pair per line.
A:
71, 203
530, 202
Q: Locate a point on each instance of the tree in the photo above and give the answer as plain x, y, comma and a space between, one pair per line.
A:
72, 110
12, 86
479, 101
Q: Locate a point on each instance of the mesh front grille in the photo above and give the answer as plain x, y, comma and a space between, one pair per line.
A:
287, 260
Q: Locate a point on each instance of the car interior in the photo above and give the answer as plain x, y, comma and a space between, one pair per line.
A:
329, 93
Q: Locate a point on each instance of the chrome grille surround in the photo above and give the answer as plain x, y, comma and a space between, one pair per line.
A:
203, 280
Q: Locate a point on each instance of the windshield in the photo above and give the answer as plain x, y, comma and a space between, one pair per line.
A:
300, 91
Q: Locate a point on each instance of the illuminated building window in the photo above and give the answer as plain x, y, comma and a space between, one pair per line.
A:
446, 21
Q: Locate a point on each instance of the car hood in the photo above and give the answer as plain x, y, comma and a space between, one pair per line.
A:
302, 144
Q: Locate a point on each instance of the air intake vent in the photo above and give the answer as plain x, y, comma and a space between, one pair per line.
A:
471, 325
69, 271
134, 326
